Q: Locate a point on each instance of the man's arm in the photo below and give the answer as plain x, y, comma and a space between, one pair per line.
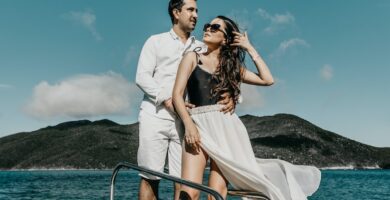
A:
144, 78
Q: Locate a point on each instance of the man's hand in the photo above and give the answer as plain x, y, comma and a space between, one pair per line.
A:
228, 103
169, 105
189, 106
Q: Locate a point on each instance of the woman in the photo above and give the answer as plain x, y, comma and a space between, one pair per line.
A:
221, 137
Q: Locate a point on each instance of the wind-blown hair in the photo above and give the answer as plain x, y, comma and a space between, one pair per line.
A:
231, 62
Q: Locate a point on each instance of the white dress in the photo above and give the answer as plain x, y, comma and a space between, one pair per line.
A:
225, 139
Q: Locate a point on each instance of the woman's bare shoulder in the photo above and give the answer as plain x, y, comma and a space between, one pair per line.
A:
190, 55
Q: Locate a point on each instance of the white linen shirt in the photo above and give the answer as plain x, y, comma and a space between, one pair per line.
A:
157, 68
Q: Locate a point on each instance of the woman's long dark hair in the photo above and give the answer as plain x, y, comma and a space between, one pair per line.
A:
231, 60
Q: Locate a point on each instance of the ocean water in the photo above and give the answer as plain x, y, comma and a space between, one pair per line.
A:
80, 184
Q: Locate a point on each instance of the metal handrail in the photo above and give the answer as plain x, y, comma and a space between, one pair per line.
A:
248, 194
201, 187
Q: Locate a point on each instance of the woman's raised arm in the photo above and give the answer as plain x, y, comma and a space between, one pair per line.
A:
264, 76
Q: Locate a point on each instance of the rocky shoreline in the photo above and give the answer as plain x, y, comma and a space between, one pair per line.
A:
110, 169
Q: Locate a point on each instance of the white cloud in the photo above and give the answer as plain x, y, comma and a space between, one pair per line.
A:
130, 55
252, 98
277, 21
279, 81
86, 19
326, 72
5, 86
285, 45
242, 18
289, 44
83, 96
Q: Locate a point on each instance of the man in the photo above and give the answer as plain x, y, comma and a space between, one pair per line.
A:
159, 127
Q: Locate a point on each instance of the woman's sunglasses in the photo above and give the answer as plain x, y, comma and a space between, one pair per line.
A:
213, 28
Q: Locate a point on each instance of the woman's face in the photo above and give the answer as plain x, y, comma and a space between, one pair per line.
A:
214, 33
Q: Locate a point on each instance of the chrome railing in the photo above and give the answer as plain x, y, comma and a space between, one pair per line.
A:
200, 187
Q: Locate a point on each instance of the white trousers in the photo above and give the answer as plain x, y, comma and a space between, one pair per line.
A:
157, 139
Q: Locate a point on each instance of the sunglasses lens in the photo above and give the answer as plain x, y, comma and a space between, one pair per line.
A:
214, 27
205, 27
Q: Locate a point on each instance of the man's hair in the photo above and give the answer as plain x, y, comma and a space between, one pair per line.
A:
174, 4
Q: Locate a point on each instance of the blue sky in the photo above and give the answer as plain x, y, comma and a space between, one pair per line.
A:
69, 60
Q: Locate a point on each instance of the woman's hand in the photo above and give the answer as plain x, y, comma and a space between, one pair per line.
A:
192, 137
241, 40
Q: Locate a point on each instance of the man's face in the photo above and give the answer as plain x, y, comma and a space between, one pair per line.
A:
188, 15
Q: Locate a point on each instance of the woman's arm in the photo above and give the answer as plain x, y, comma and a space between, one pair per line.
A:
185, 69
264, 76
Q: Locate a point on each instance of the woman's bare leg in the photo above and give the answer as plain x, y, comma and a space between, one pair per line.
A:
217, 181
193, 165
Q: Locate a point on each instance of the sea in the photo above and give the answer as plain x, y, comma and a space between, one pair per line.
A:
95, 184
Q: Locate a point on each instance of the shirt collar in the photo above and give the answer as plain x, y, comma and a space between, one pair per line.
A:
175, 37
173, 34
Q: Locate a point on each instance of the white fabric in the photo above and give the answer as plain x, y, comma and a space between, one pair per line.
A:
157, 67
157, 138
225, 139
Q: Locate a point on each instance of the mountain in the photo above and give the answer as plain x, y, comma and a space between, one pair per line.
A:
78, 144
291, 138
102, 144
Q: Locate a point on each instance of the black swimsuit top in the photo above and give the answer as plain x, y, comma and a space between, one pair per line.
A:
199, 86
